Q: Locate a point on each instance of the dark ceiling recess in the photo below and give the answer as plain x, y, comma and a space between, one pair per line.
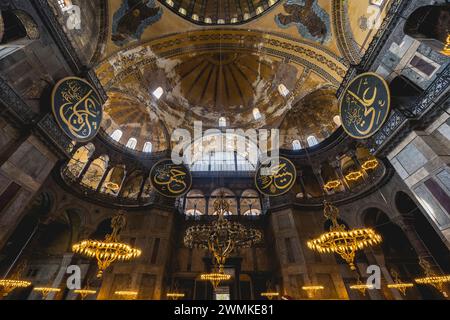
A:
223, 12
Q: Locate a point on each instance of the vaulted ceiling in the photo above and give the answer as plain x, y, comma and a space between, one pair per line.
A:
210, 59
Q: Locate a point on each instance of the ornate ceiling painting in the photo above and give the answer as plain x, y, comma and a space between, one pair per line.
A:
204, 72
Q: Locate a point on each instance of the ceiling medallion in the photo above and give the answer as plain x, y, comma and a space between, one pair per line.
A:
280, 180
169, 179
365, 105
110, 249
77, 108
342, 241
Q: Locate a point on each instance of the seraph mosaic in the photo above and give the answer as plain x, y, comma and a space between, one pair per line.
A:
312, 22
131, 19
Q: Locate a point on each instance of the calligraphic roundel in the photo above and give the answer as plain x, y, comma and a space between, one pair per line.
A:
275, 178
365, 105
77, 108
169, 179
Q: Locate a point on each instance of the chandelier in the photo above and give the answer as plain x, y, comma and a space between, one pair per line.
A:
127, 294
270, 293
221, 237
85, 292
215, 278
110, 249
342, 241
311, 290
361, 287
8, 285
175, 295
398, 284
45, 291
432, 278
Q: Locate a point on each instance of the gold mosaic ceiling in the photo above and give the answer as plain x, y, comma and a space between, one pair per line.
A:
207, 72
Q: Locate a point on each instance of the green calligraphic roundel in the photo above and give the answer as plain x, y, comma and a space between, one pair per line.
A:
275, 178
169, 179
77, 108
365, 105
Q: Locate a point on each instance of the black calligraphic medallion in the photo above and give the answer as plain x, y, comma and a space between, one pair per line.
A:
169, 179
365, 105
275, 178
77, 108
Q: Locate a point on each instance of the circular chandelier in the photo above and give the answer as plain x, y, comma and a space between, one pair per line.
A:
127, 294
215, 278
110, 249
85, 292
8, 285
175, 295
221, 237
361, 287
398, 284
342, 241
45, 291
432, 278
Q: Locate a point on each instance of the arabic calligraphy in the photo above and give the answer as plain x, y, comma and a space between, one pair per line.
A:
77, 108
365, 105
169, 179
280, 180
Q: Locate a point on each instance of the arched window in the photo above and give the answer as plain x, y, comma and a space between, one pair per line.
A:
256, 114
158, 92
337, 120
283, 90
132, 143
296, 145
222, 122
79, 159
95, 172
312, 141
250, 203
117, 135
147, 147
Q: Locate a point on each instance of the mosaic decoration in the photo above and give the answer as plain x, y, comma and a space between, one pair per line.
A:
132, 18
312, 22
169, 179
365, 105
281, 179
77, 108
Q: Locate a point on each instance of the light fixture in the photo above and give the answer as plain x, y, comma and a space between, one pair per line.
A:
158, 92
270, 295
354, 176
311, 290
127, 294
331, 185
222, 236
8, 285
342, 241
446, 49
85, 292
112, 186
110, 249
370, 164
45, 291
361, 287
215, 278
398, 284
431, 278
175, 295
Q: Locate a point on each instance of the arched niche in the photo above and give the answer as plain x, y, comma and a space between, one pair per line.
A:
229, 196
17, 26
195, 203
80, 159
95, 172
114, 180
429, 24
132, 185
406, 206
398, 252
250, 203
